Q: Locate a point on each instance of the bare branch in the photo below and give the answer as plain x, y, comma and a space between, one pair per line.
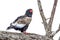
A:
21, 36
53, 34
42, 14
49, 25
59, 38
52, 14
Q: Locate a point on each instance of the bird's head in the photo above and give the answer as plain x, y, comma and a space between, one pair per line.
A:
29, 13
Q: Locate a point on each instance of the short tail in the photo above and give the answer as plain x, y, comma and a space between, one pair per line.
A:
9, 27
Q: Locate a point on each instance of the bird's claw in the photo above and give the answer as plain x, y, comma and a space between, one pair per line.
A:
25, 33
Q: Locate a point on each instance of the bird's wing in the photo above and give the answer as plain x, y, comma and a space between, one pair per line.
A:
21, 21
25, 20
19, 18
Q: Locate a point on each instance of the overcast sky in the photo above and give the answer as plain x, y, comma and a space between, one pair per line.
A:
11, 9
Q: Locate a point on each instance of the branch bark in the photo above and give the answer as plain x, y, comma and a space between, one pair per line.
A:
51, 18
20, 36
52, 15
49, 24
59, 38
42, 14
53, 34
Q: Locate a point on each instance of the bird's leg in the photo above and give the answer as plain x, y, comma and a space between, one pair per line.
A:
25, 32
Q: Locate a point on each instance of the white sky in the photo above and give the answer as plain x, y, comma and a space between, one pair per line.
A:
11, 9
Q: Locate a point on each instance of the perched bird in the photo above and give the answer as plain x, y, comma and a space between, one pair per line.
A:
22, 22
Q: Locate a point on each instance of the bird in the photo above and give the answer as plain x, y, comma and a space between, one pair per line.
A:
21, 23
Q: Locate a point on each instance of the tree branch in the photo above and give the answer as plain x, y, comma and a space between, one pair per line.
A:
59, 38
52, 14
20, 36
53, 34
42, 14
49, 25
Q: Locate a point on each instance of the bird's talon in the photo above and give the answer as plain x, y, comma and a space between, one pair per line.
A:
25, 33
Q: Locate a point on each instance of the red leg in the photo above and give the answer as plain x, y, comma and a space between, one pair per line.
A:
25, 32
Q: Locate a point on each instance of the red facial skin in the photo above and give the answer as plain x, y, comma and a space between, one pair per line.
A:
31, 10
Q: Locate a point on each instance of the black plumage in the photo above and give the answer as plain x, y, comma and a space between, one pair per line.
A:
22, 22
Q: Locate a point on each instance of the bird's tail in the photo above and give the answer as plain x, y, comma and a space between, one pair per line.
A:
10, 27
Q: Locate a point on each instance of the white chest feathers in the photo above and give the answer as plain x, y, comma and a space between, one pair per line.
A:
18, 25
